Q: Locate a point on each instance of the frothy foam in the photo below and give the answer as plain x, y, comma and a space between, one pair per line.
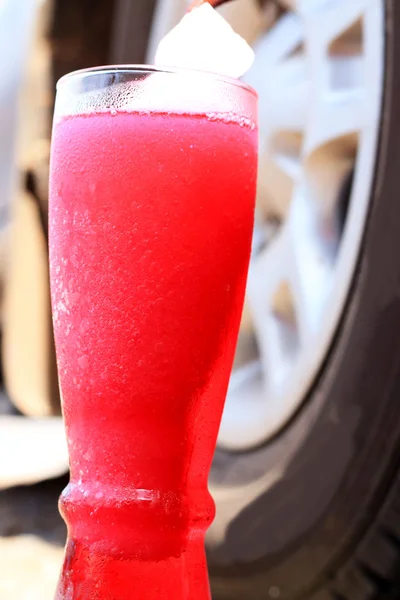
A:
204, 40
168, 92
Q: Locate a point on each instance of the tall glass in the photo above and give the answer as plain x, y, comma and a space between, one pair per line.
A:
153, 177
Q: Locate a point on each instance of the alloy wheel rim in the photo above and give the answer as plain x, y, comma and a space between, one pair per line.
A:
319, 75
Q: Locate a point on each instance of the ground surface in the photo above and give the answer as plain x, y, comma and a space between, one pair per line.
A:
32, 533
32, 536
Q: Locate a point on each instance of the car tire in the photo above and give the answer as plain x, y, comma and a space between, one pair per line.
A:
328, 525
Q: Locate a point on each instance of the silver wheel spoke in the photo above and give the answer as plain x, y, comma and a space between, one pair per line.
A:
337, 116
261, 293
280, 41
327, 19
310, 267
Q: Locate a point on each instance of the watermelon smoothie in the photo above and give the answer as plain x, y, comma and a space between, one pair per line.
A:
151, 215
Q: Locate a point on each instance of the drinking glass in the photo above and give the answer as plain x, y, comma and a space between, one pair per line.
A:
152, 189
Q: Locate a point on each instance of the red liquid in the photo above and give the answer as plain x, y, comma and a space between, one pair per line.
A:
150, 230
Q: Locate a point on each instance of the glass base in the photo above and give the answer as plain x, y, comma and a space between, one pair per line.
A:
91, 575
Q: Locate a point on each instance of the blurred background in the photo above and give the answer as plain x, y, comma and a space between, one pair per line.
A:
306, 471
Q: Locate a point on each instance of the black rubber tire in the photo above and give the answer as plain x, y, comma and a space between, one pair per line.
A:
329, 528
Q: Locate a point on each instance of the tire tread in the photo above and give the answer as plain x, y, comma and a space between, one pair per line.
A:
373, 571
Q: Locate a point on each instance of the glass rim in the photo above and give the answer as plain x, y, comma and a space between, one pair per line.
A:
110, 69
